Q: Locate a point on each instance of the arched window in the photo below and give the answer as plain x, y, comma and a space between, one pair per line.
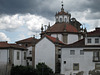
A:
60, 19
56, 19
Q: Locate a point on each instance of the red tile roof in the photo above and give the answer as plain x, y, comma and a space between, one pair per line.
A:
6, 45
62, 27
94, 33
27, 40
80, 43
62, 13
54, 40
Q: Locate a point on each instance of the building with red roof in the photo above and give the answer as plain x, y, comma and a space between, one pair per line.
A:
65, 28
82, 56
11, 54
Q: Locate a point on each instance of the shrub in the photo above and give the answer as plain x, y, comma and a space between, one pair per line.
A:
22, 70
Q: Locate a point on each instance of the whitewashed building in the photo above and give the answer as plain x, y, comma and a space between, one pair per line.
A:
47, 50
11, 54
29, 44
82, 56
67, 30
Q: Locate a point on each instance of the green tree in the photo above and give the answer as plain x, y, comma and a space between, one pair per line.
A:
94, 72
22, 70
43, 69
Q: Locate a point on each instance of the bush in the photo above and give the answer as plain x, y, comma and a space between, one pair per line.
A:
43, 69
22, 70
94, 72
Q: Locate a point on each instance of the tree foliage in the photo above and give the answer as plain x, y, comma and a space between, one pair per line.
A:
43, 69
94, 72
22, 70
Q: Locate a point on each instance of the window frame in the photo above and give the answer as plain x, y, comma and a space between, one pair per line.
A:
61, 20
30, 52
89, 40
81, 52
97, 68
74, 67
72, 52
24, 55
18, 55
96, 40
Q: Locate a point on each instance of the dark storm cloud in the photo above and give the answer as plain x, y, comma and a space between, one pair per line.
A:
94, 6
11, 7
46, 8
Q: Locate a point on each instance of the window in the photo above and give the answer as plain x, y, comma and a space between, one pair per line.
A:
89, 40
75, 66
64, 62
26, 45
81, 52
59, 49
30, 52
96, 56
24, 55
59, 56
72, 52
56, 19
60, 19
97, 40
65, 19
97, 66
18, 55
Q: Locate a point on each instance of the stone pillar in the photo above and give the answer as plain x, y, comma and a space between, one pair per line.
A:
79, 36
65, 38
10, 61
10, 56
56, 57
33, 55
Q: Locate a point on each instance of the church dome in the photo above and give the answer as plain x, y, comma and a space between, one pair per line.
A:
62, 27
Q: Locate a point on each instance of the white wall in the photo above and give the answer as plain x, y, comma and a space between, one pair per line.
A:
85, 61
72, 38
63, 18
3, 56
45, 52
92, 41
59, 36
17, 62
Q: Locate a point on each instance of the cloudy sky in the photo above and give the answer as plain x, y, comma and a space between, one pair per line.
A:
21, 19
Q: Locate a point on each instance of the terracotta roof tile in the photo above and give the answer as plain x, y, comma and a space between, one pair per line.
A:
62, 27
94, 33
55, 40
80, 43
6, 45
62, 13
28, 40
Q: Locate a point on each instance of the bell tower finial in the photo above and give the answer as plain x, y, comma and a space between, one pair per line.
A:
62, 9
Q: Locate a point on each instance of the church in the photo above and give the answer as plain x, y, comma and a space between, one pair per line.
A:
65, 47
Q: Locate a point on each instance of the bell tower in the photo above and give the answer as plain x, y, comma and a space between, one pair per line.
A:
62, 16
